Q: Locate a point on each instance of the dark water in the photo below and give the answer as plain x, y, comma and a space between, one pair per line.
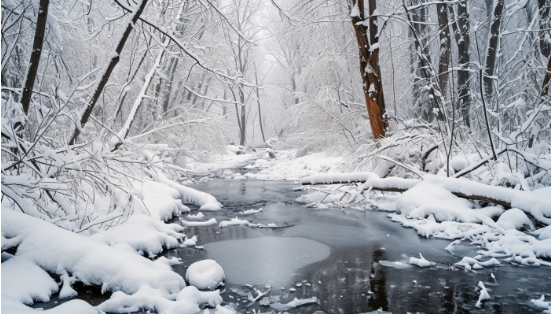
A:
351, 280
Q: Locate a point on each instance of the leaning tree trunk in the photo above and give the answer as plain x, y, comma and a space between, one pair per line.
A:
110, 67
35, 55
462, 38
368, 44
491, 52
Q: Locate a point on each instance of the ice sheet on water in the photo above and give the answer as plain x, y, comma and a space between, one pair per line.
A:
265, 260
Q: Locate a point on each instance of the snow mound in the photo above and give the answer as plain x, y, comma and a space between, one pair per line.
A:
161, 201
24, 282
191, 293
210, 222
142, 233
514, 218
251, 211
205, 274
541, 303
234, 222
190, 242
189, 195
148, 298
59, 251
484, 295
197, 216
421, 261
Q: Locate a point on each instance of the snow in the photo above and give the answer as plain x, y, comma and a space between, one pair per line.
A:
26, 282
190, 242
543, 233
541, 303
484, 295
251, 211
295, 303
211, 298
148, 298
205, 274
210, 222
197, 216
142, 233
189, 195
421, 261
161, 201
514, 218
59, 251
234, 222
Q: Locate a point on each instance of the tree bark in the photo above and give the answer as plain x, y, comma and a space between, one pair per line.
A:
545, 23
491, 52
258, 102
243, 129
110, 67
35, 55
546, 80
462, 38
444, 36
369, 67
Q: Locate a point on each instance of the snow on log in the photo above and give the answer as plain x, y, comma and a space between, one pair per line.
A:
189, 195
534, 202
382, 184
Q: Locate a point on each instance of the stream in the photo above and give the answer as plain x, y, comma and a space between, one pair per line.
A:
334, 254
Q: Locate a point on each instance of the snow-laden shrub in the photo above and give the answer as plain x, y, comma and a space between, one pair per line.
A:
76, 187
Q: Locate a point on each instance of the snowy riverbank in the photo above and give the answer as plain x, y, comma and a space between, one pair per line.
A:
121, 259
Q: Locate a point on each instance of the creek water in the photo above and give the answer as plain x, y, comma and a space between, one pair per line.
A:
334, 255
344, 272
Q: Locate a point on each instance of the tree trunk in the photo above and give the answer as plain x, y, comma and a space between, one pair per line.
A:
369, 66
35, 55
491, 52
462, 38
428, 81
110, 67
243, 129
258, 102
545, 23
546, 80
169, 82
444, 36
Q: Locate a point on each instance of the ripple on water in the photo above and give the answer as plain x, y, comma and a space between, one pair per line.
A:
265, 260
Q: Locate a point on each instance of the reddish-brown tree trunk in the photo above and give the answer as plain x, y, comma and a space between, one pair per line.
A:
368, 43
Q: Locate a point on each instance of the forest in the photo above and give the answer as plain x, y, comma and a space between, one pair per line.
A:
116, 113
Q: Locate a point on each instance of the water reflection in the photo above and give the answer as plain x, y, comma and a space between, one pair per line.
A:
378, 282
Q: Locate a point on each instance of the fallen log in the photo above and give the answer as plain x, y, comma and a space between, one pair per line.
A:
534, 203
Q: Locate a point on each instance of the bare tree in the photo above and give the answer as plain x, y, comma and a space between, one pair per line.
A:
115, 57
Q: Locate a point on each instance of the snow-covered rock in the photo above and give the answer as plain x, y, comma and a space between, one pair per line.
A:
205, 274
